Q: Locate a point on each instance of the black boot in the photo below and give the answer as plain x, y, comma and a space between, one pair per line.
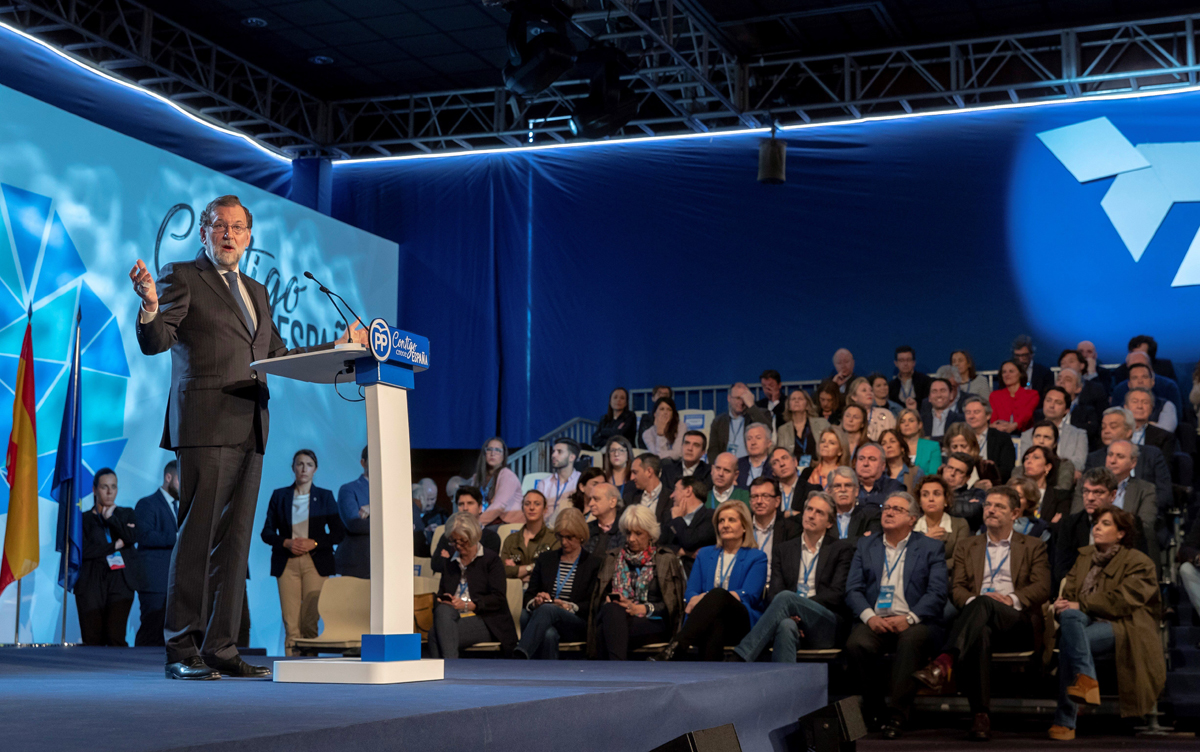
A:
668, 653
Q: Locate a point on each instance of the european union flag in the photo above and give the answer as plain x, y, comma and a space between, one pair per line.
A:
69, 477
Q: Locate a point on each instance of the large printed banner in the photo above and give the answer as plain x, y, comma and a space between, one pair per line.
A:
79, 204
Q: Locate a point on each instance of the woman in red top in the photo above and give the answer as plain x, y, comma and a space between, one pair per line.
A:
1012, 404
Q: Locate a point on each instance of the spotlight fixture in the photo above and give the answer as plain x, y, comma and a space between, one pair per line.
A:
321, 60
253, 22
539, 50
772, 160
610, 103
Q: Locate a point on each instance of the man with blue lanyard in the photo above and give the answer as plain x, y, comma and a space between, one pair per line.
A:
897, 589
560, 486
728, 433
786, 470
1001, 580
808, 583
758, 447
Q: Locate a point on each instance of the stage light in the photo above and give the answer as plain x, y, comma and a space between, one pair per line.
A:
539, 50
610, 103
772, 160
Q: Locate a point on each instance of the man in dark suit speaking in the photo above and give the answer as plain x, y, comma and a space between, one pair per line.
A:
216, 322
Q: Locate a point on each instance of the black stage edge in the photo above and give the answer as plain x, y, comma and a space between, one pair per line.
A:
117, 699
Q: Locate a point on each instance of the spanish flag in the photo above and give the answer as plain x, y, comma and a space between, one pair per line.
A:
21, 471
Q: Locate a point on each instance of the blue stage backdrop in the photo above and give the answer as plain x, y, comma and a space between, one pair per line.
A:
555, 275
78, 205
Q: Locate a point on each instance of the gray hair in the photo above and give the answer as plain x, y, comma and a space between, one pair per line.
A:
1130, 421
763, 426
1133, 448
638, 517
914, 506
987, 408
210, 210
1073, 372
466, 524
844, 472
1141, 390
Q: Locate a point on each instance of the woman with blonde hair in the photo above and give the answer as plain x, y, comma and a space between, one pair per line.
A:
725, 589
833, 451
877, 419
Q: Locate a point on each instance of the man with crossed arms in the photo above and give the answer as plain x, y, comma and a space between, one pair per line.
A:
808, 583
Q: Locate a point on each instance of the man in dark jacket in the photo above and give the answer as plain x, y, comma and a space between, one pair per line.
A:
466, 499
691, 525
156, 531
807, 587
910, 387
353, 556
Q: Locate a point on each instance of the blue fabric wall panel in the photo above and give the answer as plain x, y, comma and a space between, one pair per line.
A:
667, 262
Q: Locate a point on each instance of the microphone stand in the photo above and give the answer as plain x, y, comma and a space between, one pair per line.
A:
331, 295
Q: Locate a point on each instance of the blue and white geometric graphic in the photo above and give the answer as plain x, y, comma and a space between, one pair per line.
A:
1149, 180
40, 264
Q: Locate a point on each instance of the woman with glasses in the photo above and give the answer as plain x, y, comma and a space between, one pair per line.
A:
500, 486
522, 547
472, 598
558, 599
618, 455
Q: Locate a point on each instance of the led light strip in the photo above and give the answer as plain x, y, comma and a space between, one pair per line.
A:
751, 131
89, 67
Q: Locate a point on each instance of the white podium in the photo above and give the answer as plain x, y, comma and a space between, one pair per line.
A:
391, 652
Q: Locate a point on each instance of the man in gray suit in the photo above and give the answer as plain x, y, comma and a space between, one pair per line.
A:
1134, 495
216, 322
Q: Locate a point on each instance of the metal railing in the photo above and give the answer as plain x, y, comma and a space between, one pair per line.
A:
535, 457
715, 397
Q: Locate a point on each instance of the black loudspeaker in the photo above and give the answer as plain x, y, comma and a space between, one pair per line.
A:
834, 728
719, 739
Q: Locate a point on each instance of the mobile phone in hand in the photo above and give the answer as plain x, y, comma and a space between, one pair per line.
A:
614, 597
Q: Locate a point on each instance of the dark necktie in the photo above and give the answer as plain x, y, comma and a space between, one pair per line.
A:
175, 508
236, 288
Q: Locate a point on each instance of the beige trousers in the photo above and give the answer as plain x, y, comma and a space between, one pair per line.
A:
299, 591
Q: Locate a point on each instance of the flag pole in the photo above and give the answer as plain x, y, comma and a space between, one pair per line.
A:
17, 626
70, 497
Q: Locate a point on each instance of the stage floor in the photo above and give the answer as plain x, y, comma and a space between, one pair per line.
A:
118, 699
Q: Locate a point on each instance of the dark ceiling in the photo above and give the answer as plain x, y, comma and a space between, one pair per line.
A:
389, 47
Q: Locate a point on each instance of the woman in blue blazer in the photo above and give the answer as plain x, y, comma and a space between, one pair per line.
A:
724, 592
302, 527
924, 453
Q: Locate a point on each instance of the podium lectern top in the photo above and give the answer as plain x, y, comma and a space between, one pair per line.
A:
319, 367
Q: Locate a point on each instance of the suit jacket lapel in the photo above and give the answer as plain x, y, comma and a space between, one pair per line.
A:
1018, 558
211, 275
978, 563
906, 577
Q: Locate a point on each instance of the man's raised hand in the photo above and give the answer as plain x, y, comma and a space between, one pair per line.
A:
143, 285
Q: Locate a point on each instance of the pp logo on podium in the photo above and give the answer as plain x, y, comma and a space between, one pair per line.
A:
380, 337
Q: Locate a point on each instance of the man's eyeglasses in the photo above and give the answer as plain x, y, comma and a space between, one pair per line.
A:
560, 537
894, 508
762, 497
220, 228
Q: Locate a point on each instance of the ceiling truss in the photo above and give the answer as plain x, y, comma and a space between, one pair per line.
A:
690, 78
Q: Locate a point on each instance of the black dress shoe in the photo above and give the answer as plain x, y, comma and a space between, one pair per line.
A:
236, 667
667, 654
192, 668
981, 729
892, 729
932, 676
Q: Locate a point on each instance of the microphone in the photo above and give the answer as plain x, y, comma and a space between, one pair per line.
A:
331, 295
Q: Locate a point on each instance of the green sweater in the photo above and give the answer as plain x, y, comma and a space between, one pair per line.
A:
514, 548
740, 494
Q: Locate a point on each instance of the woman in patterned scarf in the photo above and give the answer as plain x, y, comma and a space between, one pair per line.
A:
639, 596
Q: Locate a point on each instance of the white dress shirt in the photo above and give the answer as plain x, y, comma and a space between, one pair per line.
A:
893, 557
997, 570
299, 515
807, 564
765, 538
146, 316
649, 499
